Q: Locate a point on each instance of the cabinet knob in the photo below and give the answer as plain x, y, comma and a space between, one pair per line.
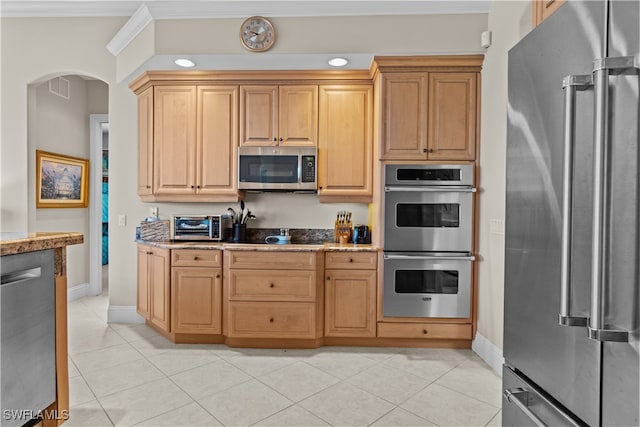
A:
195, 258
275, 139
271, 320
425, 332
149, 253
280, 139
198, 186
148, 186
328, 278
192, 186
271, 285
431, 150
350, 259
424, 150
217, 276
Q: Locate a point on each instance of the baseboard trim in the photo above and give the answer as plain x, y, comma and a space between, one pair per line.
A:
488, 352
78, 291
123, 314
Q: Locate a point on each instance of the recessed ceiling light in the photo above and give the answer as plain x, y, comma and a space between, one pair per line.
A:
183, 62
338, 62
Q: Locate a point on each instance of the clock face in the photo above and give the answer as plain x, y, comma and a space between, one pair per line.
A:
257, 34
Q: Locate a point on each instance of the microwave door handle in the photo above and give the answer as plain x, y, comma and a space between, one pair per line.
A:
432, 189
431, 257
601, 254
570, 85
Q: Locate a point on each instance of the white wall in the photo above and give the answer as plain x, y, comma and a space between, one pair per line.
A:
61, 126
36, 48
509, 21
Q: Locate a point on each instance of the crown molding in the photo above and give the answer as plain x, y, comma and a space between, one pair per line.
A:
187, 9
138, 21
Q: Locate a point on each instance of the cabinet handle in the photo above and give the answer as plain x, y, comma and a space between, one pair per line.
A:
148, 186
271, 285
192, 186
217, 276
424, 150
195, 258
271, 320
350, 259
280, 139
198, 186
425, 332
275, 139
431, 150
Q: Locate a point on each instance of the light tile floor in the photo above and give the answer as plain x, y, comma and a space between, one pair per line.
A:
127, 375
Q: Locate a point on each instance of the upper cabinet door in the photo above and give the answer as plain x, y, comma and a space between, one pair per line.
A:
542, 9
217, 139
298, 115
259, 115
145, 143
453, 106
174, 139
404, 116
345, 143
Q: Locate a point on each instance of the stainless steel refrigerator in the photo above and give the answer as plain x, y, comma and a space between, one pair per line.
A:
572, 244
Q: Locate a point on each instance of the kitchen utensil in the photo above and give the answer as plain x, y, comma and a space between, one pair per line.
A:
232, 214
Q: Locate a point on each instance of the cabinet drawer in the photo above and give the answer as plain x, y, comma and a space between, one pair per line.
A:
352, 260
196, 258
272, 285
424, 330
272, 319
272, 260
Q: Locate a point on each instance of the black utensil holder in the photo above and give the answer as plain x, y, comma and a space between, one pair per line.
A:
239, 233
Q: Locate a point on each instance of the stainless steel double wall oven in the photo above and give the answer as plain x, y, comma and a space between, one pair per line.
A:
428, 240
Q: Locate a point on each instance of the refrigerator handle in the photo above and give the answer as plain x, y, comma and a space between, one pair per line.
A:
570, 85
519, 397
601, 256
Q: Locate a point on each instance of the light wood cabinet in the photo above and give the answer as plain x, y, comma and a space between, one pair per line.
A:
273, 294
154, 285
350, 295
425, 330
196, 291
187, 143
542, 9
429, 116
345, 143
174, 142
285, 115
145, 143
404, 112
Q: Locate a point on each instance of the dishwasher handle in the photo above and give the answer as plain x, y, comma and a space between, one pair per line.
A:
20, 276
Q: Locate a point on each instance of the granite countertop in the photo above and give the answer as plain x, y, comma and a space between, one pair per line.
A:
298, 247
18, 242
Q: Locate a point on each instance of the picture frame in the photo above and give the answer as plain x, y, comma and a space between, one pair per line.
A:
61, 181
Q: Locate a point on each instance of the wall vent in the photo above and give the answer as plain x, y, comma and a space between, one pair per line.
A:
61, 87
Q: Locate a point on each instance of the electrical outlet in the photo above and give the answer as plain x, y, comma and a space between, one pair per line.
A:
153, 211
496, 226
122, 220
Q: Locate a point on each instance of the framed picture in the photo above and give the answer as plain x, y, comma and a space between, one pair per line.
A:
61, 181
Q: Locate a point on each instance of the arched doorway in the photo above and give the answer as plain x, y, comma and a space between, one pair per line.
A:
64, 111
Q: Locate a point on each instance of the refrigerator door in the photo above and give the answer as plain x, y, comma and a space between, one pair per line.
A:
562, 361
620, 395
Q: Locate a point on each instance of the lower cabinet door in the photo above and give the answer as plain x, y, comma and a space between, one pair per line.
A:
350, 303
272, 320
196, 300
159, 282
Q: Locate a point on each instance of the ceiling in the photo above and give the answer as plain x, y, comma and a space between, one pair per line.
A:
171, 9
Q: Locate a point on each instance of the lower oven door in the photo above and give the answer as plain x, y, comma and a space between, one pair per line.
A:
427, 285
428, 219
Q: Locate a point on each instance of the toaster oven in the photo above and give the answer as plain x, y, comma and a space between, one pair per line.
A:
201, 227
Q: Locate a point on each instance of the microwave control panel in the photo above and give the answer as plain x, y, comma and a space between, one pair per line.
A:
308, 168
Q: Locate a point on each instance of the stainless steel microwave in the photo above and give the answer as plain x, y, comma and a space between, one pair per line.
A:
278, 168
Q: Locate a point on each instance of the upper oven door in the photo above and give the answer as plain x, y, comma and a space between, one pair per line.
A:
428, 219
281, 168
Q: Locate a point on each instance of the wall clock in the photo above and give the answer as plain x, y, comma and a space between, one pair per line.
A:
257, 34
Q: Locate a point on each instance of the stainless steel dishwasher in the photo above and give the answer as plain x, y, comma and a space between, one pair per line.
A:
27, 340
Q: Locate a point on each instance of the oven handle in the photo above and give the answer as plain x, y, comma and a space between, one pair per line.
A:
432, 189
432, 257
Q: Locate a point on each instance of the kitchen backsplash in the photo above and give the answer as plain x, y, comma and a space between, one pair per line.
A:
298, 235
